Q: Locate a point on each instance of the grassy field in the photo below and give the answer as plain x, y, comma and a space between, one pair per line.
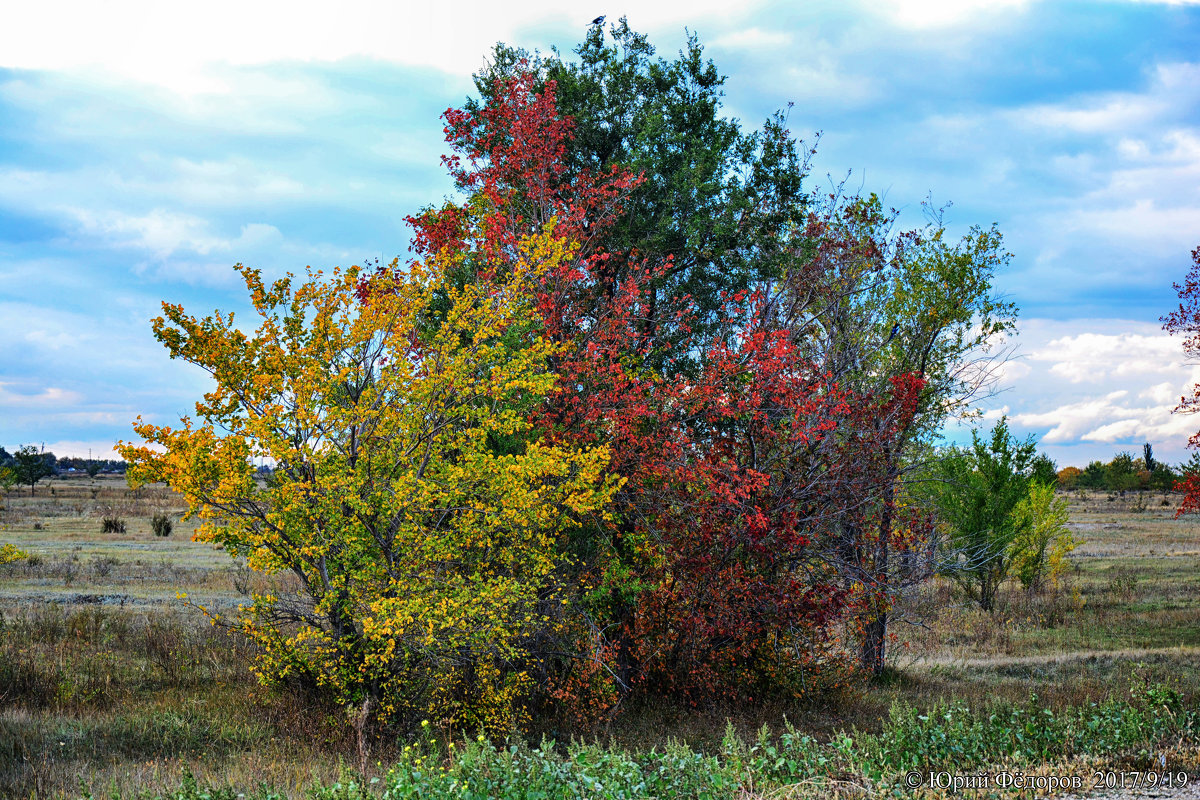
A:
111, 684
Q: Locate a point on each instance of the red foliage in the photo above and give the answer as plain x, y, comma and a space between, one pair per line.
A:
715, 578
1186, 320
741, 584
511, 159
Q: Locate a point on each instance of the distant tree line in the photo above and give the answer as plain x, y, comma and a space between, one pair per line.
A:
29, 464
90, 465
1127, 473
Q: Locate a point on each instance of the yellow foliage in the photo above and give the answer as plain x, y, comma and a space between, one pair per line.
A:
1041, 551
410, 500
9, 553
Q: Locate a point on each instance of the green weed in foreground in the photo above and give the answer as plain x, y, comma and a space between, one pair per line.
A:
949, 737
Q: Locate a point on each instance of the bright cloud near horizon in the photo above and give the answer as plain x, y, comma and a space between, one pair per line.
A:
147, 147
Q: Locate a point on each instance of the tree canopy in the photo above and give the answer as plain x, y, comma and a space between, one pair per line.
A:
637, 418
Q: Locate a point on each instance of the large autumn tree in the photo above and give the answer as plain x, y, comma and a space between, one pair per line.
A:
706, 574
678, 214
717, 212
421, 561
713, 573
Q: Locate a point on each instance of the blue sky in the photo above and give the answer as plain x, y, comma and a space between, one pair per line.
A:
144, 150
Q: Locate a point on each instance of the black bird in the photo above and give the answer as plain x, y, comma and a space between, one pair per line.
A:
598, 20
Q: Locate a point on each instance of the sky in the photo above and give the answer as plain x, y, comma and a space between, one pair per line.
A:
146, 147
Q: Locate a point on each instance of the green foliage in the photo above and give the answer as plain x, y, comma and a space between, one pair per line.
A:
482, 771
8, 478
918, 304
1043, 470
31, 465
1126, 473
978, 491
1163, 477
1121, 473
1040, 548
1191, 467
951, 737
713, 199
1095, 476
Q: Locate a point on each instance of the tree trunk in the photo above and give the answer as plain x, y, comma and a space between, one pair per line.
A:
874, 642
874, 626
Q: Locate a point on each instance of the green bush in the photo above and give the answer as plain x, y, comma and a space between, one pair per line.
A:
112, 524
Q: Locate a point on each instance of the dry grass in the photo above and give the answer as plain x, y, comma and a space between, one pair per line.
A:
106, 678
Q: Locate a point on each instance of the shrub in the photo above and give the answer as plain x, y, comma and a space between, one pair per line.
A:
981, 489
1040, 550
161, 525
437, 616
112, 524
10, 553
103, 566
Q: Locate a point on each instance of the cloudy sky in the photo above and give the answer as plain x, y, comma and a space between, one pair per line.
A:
144, 149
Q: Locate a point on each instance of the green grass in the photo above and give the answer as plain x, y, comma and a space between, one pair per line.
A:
1149, 723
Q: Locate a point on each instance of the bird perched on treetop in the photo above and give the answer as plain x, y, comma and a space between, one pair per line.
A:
598, 20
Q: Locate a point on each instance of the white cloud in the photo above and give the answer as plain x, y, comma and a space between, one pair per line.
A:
752, 39
1122, 430
148, 179
1170, 89
994, 414
1112, 113
211, 182
1162, 394
1144, 220
98, 208
821, 78
160, 232
1101, 384
46, 396
55, 340
1109, 419
926, 14
1100, 357
1008, 372
176, 45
